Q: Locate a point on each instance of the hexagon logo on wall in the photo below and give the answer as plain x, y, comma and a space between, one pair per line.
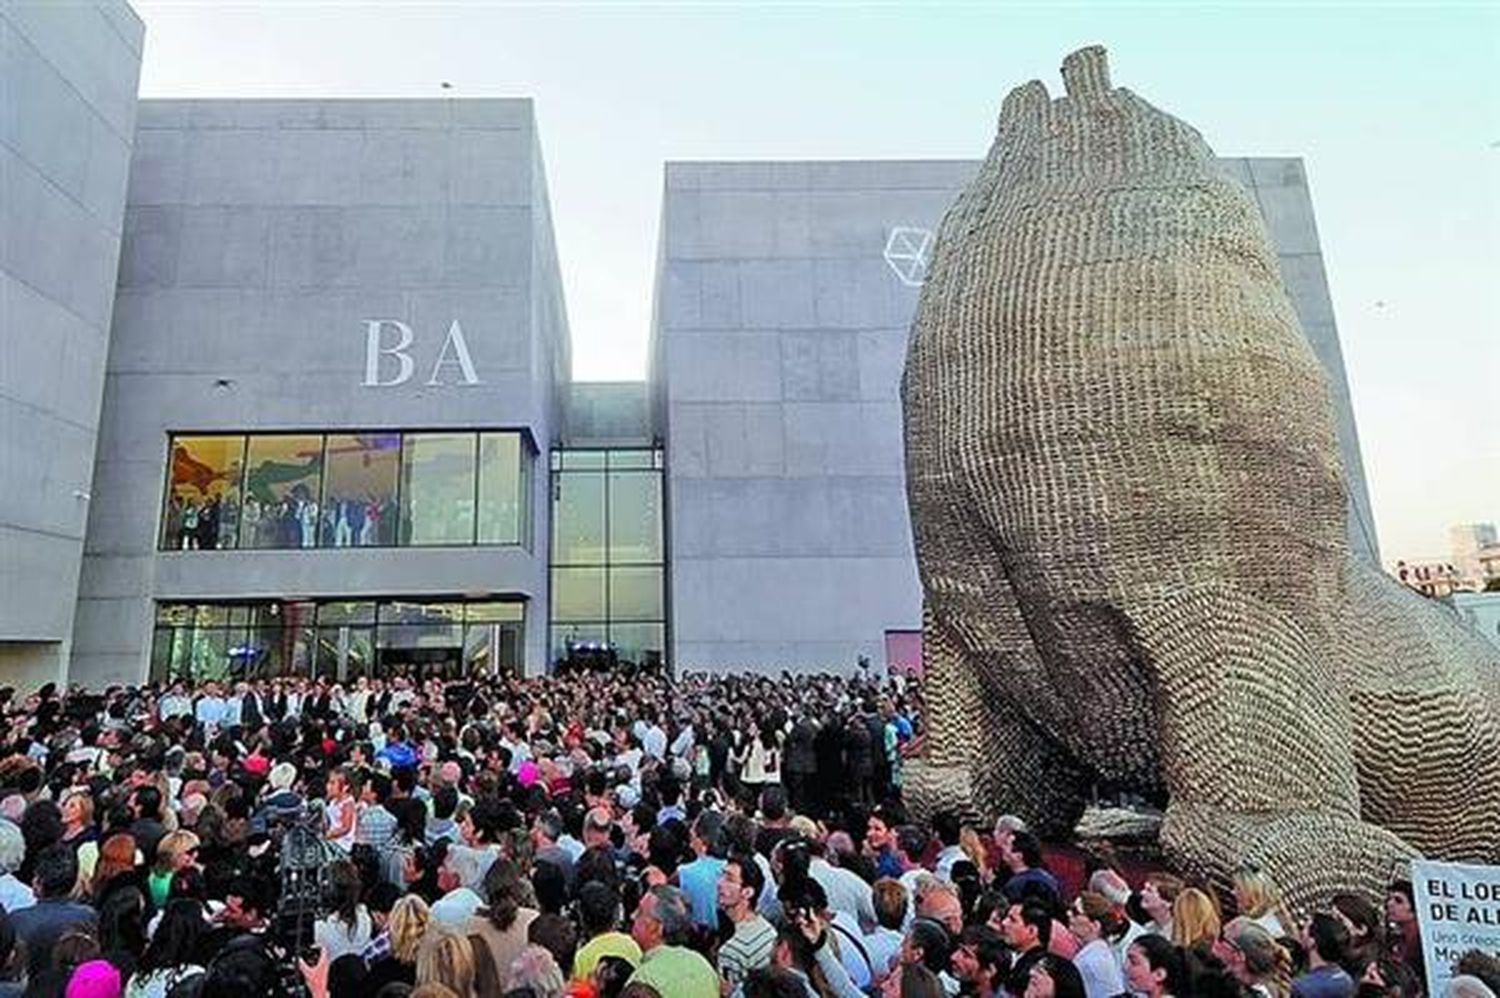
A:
906, 250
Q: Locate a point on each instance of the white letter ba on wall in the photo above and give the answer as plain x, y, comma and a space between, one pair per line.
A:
388, 361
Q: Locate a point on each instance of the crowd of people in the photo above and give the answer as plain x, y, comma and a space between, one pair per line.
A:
589, 836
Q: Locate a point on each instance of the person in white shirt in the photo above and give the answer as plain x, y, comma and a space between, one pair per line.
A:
883, 942
1094, 920
514, 742
683, 744
210, 708
1158, 894
627, 753
1114, 888
234, 708
175, 703
359, 701
401, 695
947, 828
846, 890
340, 813
348, 928
653, 739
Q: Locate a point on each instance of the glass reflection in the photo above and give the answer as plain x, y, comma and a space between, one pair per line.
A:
635, 516
282, 476
500, 488
203, 493
635, 593
578, 594
437, 489
578, 520
341, 490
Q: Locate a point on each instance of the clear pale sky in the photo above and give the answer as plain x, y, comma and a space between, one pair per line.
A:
1395, 109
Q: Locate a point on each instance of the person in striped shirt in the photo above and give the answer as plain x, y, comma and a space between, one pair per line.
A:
754, 939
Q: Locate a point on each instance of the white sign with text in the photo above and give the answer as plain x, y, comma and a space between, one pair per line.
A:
382, 350
1458, 909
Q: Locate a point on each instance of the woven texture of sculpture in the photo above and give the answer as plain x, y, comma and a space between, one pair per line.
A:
1129, 515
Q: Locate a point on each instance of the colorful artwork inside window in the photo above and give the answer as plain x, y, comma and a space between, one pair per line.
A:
283, 479
203, 493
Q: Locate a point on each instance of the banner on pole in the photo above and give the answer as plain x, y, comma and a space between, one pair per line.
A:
1458, 909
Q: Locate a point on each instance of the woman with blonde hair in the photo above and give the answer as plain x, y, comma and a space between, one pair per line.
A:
1257, 897
175, 851
447, 959
1195, 919
405, 928
77, 807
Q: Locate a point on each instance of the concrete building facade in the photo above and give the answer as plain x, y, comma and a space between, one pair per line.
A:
286, 389
68, 75
360, 268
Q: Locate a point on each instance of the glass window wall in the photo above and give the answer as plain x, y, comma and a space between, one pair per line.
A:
635, 516
364, 489
578, 521
338, 640
578, 594
608, 555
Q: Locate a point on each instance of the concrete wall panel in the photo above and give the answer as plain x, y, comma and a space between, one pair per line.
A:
68, 75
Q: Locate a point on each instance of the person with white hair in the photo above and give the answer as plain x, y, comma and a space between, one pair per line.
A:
461, 876
1112, 885
535, 971
1006, 826
283, 803
14, 895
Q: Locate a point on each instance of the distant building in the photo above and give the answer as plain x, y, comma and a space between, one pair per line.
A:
1481, 611
1476, 553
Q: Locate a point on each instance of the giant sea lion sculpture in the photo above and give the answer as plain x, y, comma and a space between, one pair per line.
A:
1129, 516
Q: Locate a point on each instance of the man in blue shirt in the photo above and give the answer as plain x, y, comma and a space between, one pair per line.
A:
1327, 942
699, 879
1022, 856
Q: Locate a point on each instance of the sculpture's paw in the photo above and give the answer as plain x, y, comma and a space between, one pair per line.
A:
928, 789
1311, 854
